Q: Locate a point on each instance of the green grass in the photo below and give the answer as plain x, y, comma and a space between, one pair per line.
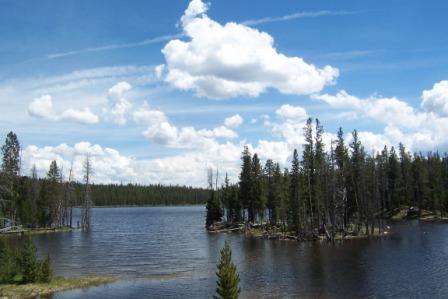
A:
57, 284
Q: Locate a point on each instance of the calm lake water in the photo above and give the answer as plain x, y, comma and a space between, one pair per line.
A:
164, 252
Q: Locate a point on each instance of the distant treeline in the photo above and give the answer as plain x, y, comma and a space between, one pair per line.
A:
151, 195
340, 190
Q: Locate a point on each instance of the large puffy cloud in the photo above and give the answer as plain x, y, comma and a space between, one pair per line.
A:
42, 107
436, 99
223, 61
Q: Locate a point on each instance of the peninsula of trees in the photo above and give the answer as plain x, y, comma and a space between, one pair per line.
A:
345, 190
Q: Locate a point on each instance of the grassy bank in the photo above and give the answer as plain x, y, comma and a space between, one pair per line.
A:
406, 213
57, 284
37, 231
276, 233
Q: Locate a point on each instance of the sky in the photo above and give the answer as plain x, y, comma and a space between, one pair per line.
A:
160, 91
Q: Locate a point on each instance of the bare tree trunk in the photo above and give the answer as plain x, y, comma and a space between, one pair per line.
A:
87, 203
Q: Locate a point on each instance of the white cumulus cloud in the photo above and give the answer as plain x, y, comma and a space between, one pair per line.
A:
223, 61
42, 107
436, 99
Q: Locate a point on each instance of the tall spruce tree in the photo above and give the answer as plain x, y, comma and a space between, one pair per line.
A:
245, 184
294, 193
9, 176
308, 169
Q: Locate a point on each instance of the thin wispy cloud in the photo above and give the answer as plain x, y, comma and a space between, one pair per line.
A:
115, 46
351, 54
298, 15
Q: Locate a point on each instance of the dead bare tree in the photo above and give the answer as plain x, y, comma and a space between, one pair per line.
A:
87, 201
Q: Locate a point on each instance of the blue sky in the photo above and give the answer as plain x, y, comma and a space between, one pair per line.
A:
75, 76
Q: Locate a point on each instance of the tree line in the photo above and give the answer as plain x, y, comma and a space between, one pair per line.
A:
35, 202
31, 201
326, 192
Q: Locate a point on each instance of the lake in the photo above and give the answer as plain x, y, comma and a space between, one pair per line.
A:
165, 252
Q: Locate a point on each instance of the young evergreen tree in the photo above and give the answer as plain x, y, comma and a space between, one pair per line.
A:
228, 278
45, 271
29, 263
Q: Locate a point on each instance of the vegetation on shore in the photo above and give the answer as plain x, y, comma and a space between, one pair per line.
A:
412, 213
57, 284
23, 275
326, 194
19, 264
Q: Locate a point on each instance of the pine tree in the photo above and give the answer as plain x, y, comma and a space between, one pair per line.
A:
10, 172
29, 263
245, 184
319, 166
228, 278
7, 263
270, 195
257, 198
45, 272
309, 168
294, 195
53, 194
394, 180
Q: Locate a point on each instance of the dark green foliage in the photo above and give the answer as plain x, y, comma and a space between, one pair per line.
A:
46, 273
257, 197
9, 267
228, 278
214, 211
19, 264
294, 194
29, 264
245, 184
344, 191
213, 206
9, 175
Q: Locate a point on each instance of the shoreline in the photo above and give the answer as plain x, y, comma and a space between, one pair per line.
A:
57, 284
37, 231
406, 213
263, 233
